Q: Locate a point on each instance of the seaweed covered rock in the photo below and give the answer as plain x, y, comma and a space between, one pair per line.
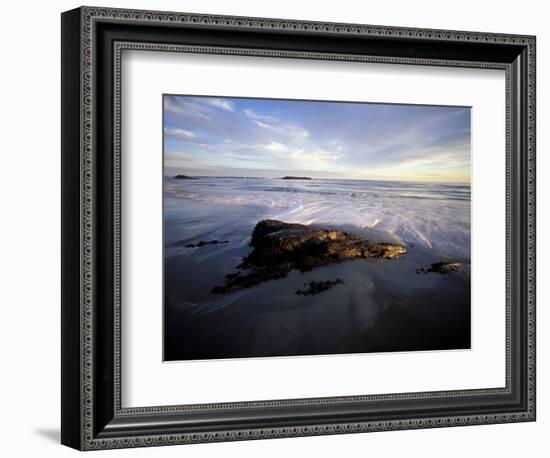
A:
203, 243
442, 267
280, 247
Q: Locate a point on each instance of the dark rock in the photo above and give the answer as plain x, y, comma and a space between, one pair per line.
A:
183, 177
202, 243
442, 267
289, 177
281, 247
316, 287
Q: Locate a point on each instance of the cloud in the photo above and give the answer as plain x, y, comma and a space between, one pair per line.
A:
297, 157
178, 133
314, 158
289, 130
187, 108
171, 105
221, 103
180, 155
276, 125
275, 148
263, 124
253, 115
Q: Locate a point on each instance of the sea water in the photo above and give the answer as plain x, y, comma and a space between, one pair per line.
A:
381, 305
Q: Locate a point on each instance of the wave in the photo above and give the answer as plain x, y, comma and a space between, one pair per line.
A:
435, 216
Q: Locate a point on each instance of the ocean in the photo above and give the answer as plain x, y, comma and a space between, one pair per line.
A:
379, 306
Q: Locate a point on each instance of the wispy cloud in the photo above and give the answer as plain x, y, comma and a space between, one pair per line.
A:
181, 134
179, 155
253, 115
180, 106
289, 130
222, 103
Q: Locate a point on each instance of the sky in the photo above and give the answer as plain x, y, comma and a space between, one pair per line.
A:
227, 136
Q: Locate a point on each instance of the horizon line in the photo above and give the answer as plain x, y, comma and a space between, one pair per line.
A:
308, 178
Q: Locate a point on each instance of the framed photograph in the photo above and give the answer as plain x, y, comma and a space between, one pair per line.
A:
276, 228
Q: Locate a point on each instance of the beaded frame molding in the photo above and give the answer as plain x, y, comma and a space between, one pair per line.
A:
93, 40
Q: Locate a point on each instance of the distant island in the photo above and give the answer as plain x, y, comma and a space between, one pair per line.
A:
296, 178
183, 177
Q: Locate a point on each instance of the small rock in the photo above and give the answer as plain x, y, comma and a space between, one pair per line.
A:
442, 267
203, 243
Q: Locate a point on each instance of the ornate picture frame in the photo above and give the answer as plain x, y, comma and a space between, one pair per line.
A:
93, 416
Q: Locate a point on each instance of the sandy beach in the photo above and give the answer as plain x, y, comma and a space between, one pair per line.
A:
377, 305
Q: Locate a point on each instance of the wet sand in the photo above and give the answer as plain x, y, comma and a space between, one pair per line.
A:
381, 306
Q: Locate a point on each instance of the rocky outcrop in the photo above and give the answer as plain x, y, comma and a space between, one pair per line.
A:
290, 177
280, 247
442, 267
183, 177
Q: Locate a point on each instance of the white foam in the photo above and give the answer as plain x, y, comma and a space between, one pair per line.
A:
433, 216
